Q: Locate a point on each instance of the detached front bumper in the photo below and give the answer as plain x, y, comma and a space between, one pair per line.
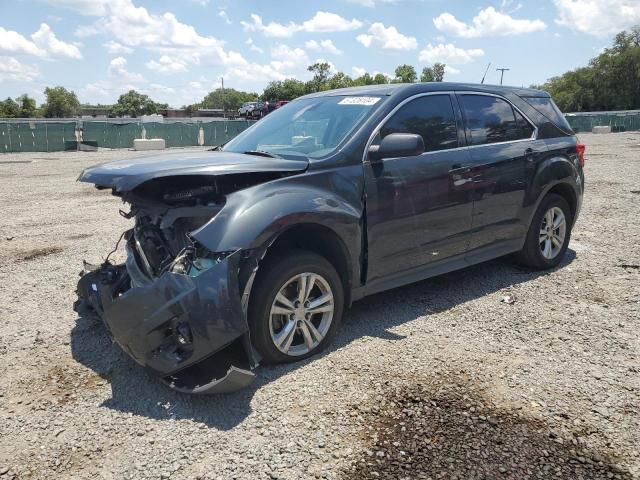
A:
190, 331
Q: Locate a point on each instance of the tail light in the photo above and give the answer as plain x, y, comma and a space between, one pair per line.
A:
580, 148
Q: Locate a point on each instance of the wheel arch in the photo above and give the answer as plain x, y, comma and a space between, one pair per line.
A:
319, 239
555, 175
567, 192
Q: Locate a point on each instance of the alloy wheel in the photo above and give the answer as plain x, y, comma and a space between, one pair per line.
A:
301, 314
553, 230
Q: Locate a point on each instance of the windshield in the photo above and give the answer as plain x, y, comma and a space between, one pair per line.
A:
311, 127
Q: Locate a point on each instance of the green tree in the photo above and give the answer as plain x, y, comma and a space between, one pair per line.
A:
406, 73
434, 73
27, 106
283, 90
380, 79
364, 79
611, 81
340, 80
134, 104
60, 103
321, 73
191, 110
9, 108
229, 98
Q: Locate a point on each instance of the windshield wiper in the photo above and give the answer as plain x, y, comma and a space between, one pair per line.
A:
261, 153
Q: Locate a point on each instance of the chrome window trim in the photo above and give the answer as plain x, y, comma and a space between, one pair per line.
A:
382, 122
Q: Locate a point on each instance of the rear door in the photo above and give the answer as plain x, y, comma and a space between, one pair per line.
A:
502, 146
418, 210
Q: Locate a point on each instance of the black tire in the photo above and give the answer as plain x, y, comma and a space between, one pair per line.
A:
273, 275
531, 254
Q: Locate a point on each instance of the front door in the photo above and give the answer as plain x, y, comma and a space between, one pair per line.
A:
419, 207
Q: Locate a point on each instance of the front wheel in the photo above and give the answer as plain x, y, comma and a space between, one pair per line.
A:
296, 306
549, 234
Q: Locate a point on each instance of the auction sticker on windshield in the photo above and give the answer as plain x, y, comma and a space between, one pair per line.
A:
359, 101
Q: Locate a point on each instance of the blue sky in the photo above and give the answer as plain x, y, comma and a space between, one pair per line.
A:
177, 50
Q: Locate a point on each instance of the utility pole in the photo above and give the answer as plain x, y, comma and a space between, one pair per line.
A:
501, 70
224, 110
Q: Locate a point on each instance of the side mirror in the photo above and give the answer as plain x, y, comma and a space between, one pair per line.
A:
397, 145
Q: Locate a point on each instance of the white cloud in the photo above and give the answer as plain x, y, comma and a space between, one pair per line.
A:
293, 55
134, 26
449, 54
387, 38
451, 70
43, 43
487, 23
252, 46
322, 46
358, 71
272, 29
320, 22
286, 62
371, 3
13, 42
598, 17
156, 89
12, 70
364, 3
117, 68
116, 48
47, 40
84, 7
167, 65
330, 22
223, 15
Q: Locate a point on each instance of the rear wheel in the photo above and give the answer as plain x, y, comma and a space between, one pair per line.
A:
549, 234
297, 304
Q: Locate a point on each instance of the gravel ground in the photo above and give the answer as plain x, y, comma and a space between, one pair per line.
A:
440, 379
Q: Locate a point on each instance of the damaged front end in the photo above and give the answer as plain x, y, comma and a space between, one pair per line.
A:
188, 328
175, 307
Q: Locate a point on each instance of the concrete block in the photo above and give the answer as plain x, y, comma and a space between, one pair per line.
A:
601, 129
149, 144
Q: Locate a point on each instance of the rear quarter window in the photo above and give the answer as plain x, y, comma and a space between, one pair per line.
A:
491, 119
547, 107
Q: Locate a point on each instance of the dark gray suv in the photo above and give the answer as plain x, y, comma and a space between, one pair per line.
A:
253, 252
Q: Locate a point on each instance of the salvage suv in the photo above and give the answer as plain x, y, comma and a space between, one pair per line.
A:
252, 253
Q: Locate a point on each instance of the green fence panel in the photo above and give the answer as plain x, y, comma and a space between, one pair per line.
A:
217, 133
210, 130
57, 133
51, 136
95, 132
5, 144
617, 121
176, 134
121, 135
23, 137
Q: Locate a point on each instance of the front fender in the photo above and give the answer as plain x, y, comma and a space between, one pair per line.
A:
251, 217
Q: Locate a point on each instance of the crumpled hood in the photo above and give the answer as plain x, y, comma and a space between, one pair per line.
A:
125, 175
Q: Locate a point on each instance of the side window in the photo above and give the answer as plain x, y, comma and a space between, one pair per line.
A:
431, 117
491, 120
524, 130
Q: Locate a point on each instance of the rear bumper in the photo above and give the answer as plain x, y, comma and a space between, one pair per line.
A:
189, 331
